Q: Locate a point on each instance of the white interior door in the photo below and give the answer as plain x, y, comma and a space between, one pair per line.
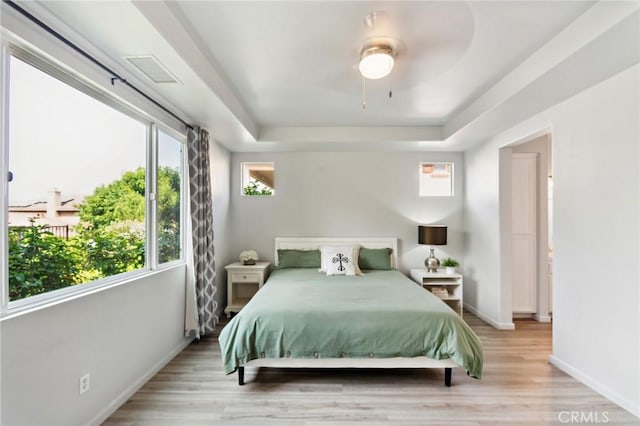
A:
524, 232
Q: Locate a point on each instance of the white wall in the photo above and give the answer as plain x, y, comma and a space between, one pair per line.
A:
333, 194
596, 237
596, 209
121, 336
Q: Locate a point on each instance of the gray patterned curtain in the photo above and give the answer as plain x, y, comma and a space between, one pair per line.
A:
200, 318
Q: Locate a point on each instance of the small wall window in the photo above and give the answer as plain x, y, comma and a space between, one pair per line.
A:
436, 179
258, 179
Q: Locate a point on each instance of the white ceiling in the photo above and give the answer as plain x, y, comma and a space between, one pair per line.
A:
283, 75
296, 64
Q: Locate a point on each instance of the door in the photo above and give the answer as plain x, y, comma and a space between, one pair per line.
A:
524, 232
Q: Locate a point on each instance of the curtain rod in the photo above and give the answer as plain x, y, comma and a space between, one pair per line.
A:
115, 76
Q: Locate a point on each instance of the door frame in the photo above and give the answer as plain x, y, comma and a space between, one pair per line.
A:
506, 260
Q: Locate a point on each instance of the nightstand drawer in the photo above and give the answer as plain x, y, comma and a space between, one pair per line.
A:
245, 277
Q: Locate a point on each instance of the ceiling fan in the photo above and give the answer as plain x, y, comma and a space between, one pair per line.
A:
378, 53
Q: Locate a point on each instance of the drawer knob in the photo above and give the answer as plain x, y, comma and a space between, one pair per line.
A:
244, 277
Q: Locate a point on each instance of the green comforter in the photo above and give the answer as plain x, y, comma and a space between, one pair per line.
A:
302, 313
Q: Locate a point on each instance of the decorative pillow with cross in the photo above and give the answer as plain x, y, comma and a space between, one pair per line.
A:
340, 260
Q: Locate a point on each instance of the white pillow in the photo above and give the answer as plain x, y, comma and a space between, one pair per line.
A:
325, 258
339, 260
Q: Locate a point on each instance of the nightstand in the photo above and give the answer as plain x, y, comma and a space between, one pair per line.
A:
447, 287
243, 281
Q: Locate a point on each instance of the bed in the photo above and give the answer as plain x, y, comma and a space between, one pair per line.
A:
302, 318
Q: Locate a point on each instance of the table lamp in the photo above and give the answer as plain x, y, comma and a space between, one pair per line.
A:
433, 235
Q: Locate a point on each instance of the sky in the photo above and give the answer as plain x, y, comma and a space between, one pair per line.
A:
61, 138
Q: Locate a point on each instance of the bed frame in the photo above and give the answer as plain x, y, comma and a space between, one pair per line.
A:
397, 362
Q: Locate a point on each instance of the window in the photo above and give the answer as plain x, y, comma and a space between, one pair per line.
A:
80, 177
436, 179
258, 179
170, 162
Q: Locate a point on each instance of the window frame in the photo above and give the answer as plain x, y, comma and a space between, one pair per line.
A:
10, 48
242, 183
183, 198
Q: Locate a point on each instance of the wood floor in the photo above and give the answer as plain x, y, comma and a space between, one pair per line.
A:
519, 387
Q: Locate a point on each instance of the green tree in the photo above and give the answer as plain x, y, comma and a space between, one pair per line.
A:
168, 214
112, 222
112, 249
111, 229
40, 262
110, 238
121, 200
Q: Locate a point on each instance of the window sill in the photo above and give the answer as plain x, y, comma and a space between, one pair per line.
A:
26, 306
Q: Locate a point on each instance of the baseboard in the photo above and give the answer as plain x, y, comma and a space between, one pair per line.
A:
542, 318
520, 315
489, 320
603, 390
128, 393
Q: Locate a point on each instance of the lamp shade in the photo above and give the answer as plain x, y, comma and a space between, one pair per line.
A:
434, 235
376, 62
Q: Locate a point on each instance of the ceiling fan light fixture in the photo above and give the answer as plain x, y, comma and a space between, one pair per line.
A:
376, 62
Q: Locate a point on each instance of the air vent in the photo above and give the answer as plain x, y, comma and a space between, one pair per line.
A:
152, 68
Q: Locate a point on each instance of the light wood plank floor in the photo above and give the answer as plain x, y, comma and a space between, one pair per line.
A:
519, 387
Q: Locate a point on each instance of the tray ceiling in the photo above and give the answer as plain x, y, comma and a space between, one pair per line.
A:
284, 75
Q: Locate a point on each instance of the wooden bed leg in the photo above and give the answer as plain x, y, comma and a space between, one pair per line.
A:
240, 376
447, 377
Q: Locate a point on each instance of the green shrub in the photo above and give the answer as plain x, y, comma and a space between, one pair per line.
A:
253, 189
40, 262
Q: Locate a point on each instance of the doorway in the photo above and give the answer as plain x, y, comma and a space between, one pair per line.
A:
529, 226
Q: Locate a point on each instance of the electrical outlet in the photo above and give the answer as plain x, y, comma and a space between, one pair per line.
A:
84, 383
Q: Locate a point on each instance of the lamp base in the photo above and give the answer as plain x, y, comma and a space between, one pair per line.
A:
432, 262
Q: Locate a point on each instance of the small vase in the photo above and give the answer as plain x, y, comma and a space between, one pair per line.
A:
432, 262
450, 270
249, 262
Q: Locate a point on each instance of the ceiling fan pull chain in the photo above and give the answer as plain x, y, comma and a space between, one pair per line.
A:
364, 93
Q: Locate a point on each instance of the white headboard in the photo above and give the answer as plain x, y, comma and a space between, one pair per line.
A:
311, 243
